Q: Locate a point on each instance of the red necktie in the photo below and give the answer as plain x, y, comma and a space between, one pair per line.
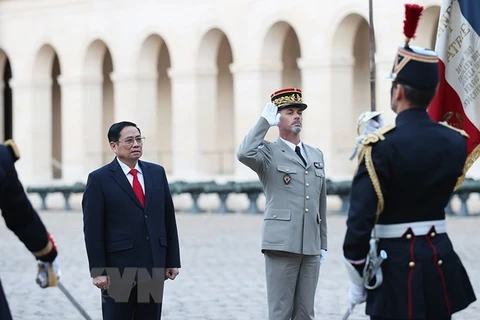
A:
137, 188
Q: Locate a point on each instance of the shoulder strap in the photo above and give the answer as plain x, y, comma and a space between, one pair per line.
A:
462, 132
470, 159
10, 144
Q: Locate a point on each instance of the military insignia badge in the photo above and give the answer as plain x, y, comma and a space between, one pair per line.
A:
286, 178
318, 165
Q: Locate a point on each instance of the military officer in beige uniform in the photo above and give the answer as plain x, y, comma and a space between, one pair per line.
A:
294, 240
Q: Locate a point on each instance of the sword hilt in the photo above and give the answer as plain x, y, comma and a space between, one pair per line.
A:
378, 262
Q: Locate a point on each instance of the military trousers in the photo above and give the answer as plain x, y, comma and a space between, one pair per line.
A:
291, 284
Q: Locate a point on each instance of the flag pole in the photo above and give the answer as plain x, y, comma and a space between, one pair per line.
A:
373, 113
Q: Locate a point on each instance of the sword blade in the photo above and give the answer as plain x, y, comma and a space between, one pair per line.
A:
73, 301
372, 50
348, 312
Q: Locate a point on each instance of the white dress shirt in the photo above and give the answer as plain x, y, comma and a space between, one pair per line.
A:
126, 171
300, 144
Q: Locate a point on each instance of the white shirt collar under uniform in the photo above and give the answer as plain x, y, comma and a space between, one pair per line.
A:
292, 146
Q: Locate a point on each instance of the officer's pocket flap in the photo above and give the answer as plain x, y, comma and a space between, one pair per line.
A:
278, 214
120, 245
319, 173
286, 169
163, 241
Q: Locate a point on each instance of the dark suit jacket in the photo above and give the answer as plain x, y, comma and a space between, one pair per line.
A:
118, 231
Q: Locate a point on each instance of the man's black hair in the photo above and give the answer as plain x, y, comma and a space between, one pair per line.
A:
420, 98
115, 129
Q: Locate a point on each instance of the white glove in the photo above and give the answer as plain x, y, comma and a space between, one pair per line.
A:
372, 125
356, 294
48, 273
270, 113
323, 255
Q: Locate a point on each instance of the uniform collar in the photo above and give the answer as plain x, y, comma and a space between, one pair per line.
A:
413, 114
291, 145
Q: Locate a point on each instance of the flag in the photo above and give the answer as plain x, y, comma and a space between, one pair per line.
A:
458, 47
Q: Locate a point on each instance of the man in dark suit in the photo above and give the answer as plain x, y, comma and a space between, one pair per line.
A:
23, 220
405, 179
130, 229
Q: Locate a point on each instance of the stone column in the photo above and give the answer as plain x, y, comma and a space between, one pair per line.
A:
384, 67
93, 130
185, 123
320, 98
248, 106
144, 112
32, 129
136, 101
125, 94
271, 74
271, 81
206, 103
339, 89
76, 124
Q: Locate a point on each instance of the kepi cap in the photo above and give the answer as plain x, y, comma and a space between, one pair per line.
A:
288, 97
414, 66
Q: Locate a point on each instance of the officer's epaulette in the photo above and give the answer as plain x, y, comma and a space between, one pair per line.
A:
377, 135
462, 132
10, 144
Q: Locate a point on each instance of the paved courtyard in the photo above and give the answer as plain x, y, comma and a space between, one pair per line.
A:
222, 277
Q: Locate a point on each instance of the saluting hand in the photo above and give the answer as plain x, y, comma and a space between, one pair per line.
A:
270, 113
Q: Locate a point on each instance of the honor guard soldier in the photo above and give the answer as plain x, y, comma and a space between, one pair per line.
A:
398, 255
23, 220
294, 241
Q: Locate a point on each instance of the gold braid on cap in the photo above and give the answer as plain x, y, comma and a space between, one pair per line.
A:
293, 98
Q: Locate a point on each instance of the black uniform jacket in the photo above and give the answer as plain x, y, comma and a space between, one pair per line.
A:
417, 164
20, 217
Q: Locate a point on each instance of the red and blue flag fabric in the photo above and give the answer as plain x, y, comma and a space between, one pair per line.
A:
458, 46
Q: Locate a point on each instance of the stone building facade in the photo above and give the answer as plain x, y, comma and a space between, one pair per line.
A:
194, 75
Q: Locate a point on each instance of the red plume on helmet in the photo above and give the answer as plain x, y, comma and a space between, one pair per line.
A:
412, 16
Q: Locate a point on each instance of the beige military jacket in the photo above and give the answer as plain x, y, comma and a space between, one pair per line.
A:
295, 208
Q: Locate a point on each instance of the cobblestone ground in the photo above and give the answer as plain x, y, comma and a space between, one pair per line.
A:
222, 277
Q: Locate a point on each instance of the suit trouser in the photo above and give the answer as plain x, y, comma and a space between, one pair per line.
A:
291, 285
136, 306
376, 318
